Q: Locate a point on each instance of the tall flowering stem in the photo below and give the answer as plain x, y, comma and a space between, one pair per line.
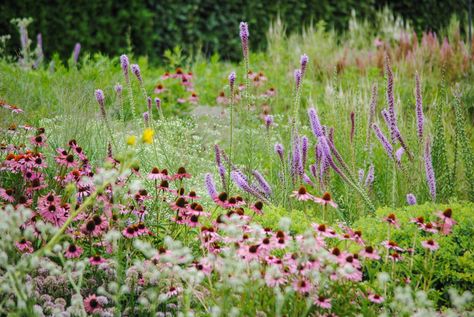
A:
99, 96
419, 108
372, 110
232, 77
125, 64
430, 176
244, 39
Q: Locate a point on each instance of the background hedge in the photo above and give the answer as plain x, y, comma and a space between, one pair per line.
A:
211, 26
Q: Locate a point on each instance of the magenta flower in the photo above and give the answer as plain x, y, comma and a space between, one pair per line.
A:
323, 302
430, 244
73, 251
369, 253
232, 77
303, 64
92, 304
374, 298
97, 260
325, 200
302, 194
24, 246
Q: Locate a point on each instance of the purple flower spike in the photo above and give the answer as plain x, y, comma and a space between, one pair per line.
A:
118, 89
136, 71
244, 38
303, 64
99, 96
383, 140
304, 151
158, 103
217, 151
232, 82
419, 108
411, 199
263, 183
361, 175
369, 180
315, 124
222, 171
146, 117
77, 50
307, 180
148, 100
124, 63
268, 121
279, 150
352, 125
211, 187
430, 176
398, 155
297, 75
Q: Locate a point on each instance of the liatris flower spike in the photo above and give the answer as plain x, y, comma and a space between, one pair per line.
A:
77, 51
244, 38
99, 96
232, 82
303, 64
124, 63
419, 108
136, 71
411, 199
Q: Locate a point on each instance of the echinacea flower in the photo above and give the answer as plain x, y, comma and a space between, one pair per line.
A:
430, 245
375, 298
302, 195
130, 232
369, 253
24, 246
92, 304
97, 260
38, 140
323, 302
159, 89
73, 251
392, 220
391, 245
257, 207
173, 291
302, 285
181, 173
325, 200
7, 195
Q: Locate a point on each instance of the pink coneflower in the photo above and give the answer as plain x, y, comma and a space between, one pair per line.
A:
159, 89
165, 76
446, 216
257, 207
323, 302
249, 252
73, 251
325, 200
302, 195
100, 222
181, 174
222, 99
97, 260
429, 227
369, 253
181, 100
38, 140
395, 256
392, 220
90, 228
430, 245
24, 246
323, 230
130, 232
375, 298
173, 291
7, 195
221, 199
419, 221
302, 285
180, 205
155, 174
391, 245
164, 186
92, 304
274, 279
193, 98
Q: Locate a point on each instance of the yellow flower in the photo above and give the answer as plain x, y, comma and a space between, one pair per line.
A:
147, 136
131, 140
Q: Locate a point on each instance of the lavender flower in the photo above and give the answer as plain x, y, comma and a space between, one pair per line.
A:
390, 98
307, 180
263, 183
222, 171
372, 109
211, 187
148, 100
279, 150
411, 199
244, 38
99, 96
297, 75
398, 155
232, 82
315, 124
419, 108
217, 151
296, 160
383, 140
313, 170
369, 180
118, 89
125, 65
75, 54
146, 117
136, 71
241, 181
304, 151
361, 175
430, 176
268, 121
158, 103
303, 64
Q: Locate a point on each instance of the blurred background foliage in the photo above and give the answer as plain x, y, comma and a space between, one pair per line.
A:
151, 27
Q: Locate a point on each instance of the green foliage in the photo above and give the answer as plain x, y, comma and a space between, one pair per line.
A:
454, 260
208, 26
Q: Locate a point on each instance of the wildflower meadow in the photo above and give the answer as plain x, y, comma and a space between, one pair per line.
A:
330, 174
